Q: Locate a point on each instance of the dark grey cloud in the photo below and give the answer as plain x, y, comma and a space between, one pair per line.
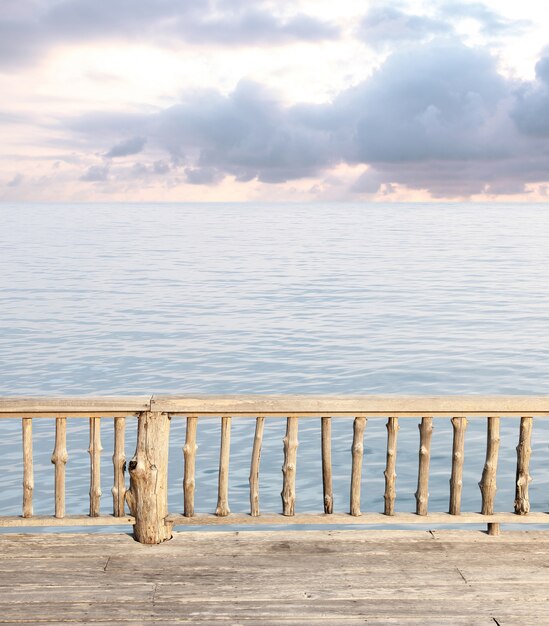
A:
30, 27
437, 116
433, 102
389, 24
203, 175
531, 111
96, 173
130, 146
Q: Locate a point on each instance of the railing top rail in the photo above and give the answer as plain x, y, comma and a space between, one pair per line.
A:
352, 405
65, 405
283, 405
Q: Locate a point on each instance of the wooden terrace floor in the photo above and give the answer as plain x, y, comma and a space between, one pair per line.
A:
284, 577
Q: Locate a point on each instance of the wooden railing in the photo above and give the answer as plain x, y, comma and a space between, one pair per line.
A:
148, 470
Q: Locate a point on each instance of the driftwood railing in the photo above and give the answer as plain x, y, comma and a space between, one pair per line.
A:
147, 498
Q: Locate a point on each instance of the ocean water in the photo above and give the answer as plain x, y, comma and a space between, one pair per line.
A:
129, 299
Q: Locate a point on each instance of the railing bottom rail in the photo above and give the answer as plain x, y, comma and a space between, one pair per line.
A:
209, 519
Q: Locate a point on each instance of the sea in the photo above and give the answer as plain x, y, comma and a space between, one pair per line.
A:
265, 298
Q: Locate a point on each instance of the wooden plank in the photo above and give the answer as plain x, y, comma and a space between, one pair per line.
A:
382, 406
67, 520
60, 405
253, 405
206, 519
303, 577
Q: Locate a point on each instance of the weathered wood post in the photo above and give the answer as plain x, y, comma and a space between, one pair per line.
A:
147, 496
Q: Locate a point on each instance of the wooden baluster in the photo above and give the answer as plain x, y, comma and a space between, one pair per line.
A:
189, 454
28, 473
59, 459
523, 478
119, 464
289, 467
422, 492
456, 480
94, 451
487, 483
357, 451
326, 443
390, 468
254, 467
223, 509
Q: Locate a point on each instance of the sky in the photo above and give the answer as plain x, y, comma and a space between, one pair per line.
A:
302, 100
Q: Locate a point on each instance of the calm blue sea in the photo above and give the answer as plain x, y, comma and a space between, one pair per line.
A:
270, 298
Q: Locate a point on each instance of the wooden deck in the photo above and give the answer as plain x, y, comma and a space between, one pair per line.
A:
284, 577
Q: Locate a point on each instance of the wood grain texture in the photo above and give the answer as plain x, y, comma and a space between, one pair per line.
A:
263, 578
28, 470
253, 405
487, 483
189, 455
390, 466
357, 454
459, 425
43, 521
268, 518
326, 446
147, 497
523, 478
367, 406
254, 466
59, 458
422, 491
119, 467
290, 466
222, 508
94, 451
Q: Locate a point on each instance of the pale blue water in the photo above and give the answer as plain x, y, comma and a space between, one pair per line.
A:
220, 298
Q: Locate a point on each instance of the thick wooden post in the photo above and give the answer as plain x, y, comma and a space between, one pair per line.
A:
147, 496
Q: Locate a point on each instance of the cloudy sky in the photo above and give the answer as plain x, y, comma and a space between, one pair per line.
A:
216, 100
